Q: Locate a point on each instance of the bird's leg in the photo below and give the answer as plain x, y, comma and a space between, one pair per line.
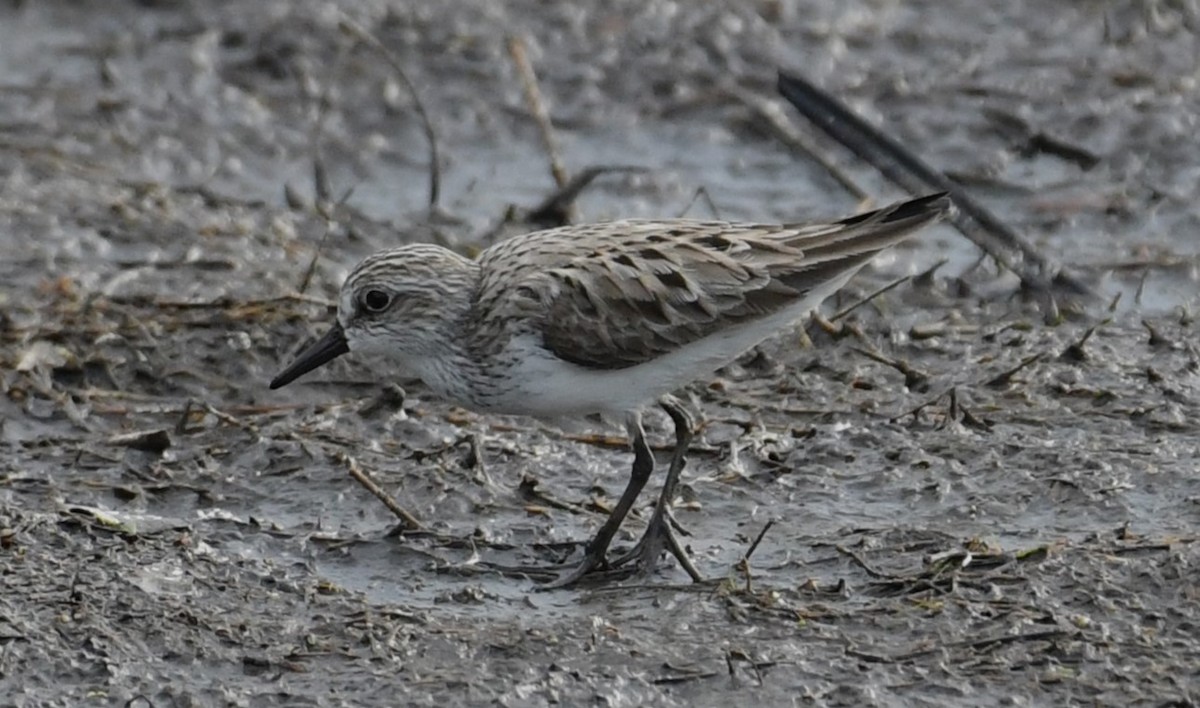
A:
643, 466
661, 528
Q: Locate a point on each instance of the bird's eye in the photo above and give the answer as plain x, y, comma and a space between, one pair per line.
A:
376, 300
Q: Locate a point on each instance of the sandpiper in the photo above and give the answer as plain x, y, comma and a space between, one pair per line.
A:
601, 318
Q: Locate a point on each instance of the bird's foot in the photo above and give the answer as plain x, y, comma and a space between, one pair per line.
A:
593, 566
660, 533
589, 564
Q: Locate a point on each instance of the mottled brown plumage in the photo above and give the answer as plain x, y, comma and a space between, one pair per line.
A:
602, 317
615, 295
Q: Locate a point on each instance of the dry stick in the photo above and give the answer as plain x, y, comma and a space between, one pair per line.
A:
311, 270
435, 167
702, 194
914, 411
1004, 378
529, 489
998, 381
758, 539
924, 279
327, 212
1141, 288
1112, 306
533, 96
1076, 352
744, 564
905, 169
410, 522
322, 190
985, 643
913, 378
554, 209
989, 642
787, 133
1021, 130
683, 676
847, 310
861, 563
226, 418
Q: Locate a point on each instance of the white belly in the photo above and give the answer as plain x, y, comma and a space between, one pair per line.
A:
547, 386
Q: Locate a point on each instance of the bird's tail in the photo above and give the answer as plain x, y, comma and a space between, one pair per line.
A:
842, 247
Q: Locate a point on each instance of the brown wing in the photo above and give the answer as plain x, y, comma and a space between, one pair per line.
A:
618, 295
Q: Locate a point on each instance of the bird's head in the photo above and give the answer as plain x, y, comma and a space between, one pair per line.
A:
395, 303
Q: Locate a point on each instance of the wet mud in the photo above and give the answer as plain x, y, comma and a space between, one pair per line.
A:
946, 494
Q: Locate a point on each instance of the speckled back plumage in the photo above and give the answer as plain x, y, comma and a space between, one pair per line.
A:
619, 294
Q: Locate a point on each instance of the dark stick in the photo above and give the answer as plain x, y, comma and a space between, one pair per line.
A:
410, 522
911, 173
435, 163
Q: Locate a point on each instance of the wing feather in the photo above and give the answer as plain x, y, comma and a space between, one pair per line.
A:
617, 295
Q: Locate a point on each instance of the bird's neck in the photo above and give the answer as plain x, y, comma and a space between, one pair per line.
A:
457, 377
452, 368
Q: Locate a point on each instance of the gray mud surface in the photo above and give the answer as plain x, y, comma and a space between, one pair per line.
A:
974, 503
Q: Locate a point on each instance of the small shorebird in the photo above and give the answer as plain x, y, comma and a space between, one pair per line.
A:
601, 318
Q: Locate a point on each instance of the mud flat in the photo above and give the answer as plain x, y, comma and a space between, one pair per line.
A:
969, 500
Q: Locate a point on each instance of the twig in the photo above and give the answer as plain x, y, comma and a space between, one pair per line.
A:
988, 642
758, 540
435, 168
228, 419
477, 461
915, 412
924, 279
155, 441
905, 169
1141, 287
847, 310
321, 188
985, 643
858, 560
684, 675
783, 129
326, 212
1156, 339
913, 378
1112, 306
1040, 141
739, 655
1075, 352
311, 270
1005, 377
533, 96
701, 193
555, 209
529, 489
744, 564
410, 522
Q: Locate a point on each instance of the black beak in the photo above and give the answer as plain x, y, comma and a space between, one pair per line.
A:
324, 350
